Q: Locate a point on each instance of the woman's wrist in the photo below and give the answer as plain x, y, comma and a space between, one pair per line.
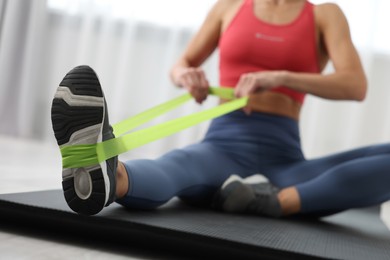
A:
284, 78
175, 74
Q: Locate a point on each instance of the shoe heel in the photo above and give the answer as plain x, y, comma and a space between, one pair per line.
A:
85, 191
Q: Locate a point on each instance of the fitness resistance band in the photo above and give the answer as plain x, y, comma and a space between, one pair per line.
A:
76, 156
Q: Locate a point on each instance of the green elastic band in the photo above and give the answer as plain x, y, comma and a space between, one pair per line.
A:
137, 120
76, 156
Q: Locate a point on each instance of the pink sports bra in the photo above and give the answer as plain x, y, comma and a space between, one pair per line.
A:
252, 45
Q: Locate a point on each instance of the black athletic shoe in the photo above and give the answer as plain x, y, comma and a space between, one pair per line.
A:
235, 196
79, 116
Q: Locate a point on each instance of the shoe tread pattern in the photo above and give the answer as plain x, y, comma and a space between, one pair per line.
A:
66, 120
82, 80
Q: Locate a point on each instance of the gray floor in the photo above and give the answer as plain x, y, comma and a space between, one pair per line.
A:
31, 166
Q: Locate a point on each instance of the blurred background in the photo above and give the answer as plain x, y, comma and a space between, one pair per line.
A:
132, 45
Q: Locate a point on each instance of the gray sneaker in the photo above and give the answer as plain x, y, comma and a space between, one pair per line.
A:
79, 116
236, 196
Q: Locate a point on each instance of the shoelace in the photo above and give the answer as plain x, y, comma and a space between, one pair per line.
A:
258, 204
263, 192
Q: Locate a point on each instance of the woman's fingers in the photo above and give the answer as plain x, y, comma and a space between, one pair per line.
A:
246, 85
194, 80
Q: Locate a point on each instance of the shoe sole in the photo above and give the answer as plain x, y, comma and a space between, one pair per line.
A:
77, 116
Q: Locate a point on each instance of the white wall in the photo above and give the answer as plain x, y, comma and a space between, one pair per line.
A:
132, 57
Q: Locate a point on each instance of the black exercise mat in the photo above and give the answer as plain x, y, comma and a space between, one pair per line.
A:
354, 234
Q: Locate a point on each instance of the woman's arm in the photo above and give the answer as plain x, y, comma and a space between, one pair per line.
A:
186, 72
347, 82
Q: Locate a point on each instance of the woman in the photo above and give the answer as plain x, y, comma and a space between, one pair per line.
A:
273, 51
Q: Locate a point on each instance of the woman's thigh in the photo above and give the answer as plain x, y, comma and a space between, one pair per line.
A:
289, 174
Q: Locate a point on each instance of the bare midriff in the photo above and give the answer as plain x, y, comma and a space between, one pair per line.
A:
274, 103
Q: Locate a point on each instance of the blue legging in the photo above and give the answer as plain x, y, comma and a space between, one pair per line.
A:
266, 144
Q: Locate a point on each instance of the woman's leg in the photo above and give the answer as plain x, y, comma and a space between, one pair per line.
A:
317, 187
122, 181
289, 174
192, 173
357, 178
358, 183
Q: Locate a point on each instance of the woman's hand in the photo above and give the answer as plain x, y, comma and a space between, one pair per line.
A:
251, 83
194, 81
